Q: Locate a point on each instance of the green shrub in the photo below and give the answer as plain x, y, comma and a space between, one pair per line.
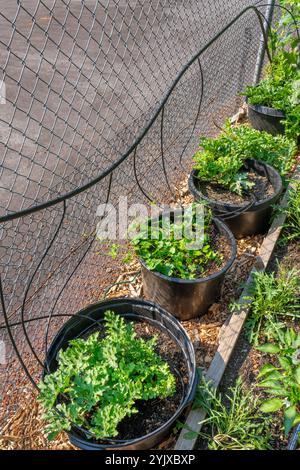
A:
220, 160
276, 88
170, 254
284, 35
280, 86
279, 94
98, 381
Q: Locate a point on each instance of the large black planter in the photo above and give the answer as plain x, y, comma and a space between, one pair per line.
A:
185, 298
266, 119
87, 321
244, 219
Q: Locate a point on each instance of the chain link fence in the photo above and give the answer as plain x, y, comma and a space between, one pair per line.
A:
82, 123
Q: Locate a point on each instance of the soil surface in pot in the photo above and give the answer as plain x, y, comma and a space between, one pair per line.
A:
219, 243
154, 413
261, 190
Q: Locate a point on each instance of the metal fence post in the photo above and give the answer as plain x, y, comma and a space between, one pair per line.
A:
262, 47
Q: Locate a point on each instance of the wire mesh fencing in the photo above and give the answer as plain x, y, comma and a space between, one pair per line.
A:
98, 105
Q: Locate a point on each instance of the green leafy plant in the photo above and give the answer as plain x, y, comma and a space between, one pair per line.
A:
284, 35
276, 87
170, 252
114, 250
240, 184
98, 381
218, 162
279, 88
282, 381
239, 425
292, 224
281, 96
221, 159
272, 297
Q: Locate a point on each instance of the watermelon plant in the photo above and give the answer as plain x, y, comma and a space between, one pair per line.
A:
99, 380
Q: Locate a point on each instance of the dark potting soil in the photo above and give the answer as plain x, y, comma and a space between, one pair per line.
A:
154, 413
261, 190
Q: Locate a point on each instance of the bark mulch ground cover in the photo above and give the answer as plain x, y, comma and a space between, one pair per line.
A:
25, 430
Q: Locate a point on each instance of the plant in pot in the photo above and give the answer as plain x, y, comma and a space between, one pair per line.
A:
274, 104
233, 176
182, 274
118, 375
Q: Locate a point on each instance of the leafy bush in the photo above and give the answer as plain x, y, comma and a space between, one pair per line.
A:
276, 89
98, 381
281, 84
279, 94
272, 298
237, 426
218, 161
283, 35
282, 382
172, 255
221, 159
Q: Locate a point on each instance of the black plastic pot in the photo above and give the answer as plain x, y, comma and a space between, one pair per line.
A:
266, 119
186, 298
244, 219
87, 321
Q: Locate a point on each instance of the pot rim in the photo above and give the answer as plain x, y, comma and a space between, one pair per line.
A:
220, 224
256, 204
188, 396
274, 112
